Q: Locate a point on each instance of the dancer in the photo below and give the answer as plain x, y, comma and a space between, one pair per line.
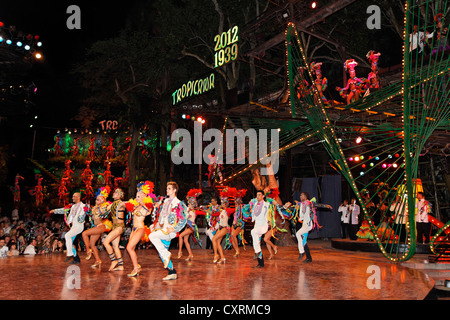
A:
305, 217
223, 229
354, 84
170, 218
101, 224
191, 227
117, 210
238, 222
76, 217
212, 213
140, 208
259, 210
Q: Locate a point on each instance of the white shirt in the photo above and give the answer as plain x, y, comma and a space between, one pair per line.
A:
399, 212
4, 251
30, 249
422, 211
259, 213
417, 40
345, 217
354, 212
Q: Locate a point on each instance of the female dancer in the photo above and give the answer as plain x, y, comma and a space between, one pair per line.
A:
101, 225
212, 212
191, 228
117, 210
142, 207
223, 224
238, 222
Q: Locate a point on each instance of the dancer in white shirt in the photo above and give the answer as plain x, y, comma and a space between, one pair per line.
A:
259, 211
76, 218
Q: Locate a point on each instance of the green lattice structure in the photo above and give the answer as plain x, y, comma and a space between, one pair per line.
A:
423, 108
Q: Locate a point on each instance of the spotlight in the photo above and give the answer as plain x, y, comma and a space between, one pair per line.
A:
361, 173
358, 140
313, 4
356, 158
27, 47
384, 165
183, 116
395, 165
8, 41
38, 55
19, 44
39, 44
203, 121
199, 119
350, 159
1, 39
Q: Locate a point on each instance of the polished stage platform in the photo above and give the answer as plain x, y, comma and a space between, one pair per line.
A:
333, 275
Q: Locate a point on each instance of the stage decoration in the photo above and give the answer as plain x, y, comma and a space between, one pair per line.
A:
63, 193
38, 190
91, 149
109, 124
16, 189
107, 174
68, 172
226, 47
110, 150
57, 147
75, 147
422, 109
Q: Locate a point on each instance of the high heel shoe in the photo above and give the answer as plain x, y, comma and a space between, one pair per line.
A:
221, 261
237, 254
190, 258
97, 264
135, 272
89, 254
216, 258
275, 249
180, 254
113, 265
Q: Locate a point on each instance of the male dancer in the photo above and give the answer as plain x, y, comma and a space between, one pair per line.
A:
171, 218
259, 211
76, 218
305, 216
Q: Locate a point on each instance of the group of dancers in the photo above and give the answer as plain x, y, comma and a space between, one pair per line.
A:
172, 218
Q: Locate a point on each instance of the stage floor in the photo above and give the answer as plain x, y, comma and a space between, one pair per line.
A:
333, 275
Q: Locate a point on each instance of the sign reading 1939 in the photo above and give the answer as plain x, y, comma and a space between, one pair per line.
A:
226, 47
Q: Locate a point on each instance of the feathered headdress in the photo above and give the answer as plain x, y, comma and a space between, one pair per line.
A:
226, 193
438, 17
103, 192
350, 64
192, 196
273, 193
240, 194
315, 66
147, 189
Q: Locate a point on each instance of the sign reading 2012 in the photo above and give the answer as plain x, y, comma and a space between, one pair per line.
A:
226, 48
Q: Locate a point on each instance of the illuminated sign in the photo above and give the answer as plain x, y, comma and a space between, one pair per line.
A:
226, 48
193, 88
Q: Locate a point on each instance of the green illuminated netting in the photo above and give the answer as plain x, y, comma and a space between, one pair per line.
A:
385, 162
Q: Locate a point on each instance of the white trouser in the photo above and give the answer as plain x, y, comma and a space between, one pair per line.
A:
301, 235
76, 229
161, 242
257, 232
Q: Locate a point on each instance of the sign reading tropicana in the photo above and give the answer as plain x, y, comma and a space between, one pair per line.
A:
194, 87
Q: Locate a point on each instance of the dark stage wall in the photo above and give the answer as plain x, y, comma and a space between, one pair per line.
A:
331, 193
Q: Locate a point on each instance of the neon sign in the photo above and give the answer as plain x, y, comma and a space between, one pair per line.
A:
193, 88
226, 47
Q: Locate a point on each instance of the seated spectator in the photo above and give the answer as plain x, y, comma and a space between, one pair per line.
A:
13, 250
31, 248
3, 248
